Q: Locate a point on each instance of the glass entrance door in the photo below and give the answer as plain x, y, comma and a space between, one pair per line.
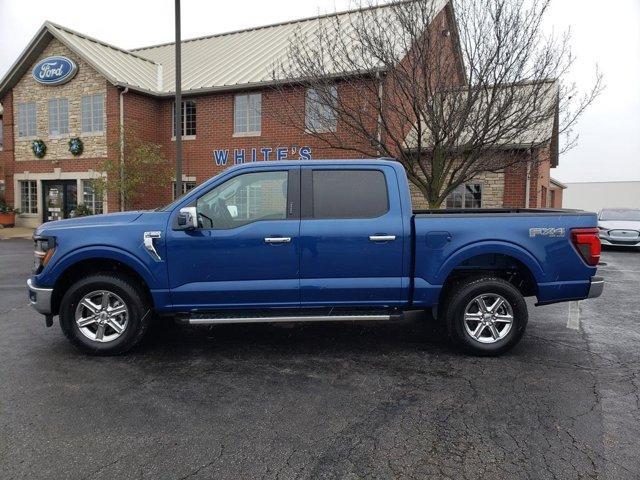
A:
60, 199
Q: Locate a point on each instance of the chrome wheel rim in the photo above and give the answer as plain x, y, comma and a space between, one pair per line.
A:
488, 318
102, 316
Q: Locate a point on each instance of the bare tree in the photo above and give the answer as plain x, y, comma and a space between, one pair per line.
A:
443, 87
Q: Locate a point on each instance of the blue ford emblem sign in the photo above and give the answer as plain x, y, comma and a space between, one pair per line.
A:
54, 70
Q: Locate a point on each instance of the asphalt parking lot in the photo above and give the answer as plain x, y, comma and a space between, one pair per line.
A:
330, 401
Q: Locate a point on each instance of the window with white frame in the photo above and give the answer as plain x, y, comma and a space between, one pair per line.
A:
27, 120
92, 198
28, 196
186, 186
58, 116
247, 114
188, 119
465, 196
320, 110
93, 113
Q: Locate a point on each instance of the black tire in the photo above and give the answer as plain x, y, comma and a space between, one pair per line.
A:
139, 313
461, 297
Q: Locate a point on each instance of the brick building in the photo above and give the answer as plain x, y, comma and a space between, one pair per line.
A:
229, 112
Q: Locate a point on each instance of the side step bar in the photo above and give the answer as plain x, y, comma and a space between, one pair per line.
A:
291, 318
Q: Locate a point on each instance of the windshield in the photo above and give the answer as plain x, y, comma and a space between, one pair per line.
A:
621, 214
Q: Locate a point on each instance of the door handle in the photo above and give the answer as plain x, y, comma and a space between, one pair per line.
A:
382, 238
277, 239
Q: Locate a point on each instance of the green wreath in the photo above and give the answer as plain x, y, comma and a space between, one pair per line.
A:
76, 146
39, 148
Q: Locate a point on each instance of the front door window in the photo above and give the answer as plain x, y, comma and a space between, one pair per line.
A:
244, 199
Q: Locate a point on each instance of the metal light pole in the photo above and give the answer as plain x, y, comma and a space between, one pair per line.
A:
178, 104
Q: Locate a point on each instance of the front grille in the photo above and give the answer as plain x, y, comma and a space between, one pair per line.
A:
624, 235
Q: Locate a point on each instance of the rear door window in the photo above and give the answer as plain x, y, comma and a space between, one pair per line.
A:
349, 194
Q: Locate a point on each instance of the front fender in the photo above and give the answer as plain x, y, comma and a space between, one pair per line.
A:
490, 247
48, 277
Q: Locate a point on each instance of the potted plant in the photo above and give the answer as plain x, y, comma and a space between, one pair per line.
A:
81, 211
7, 214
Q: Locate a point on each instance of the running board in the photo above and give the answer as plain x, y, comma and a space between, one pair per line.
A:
291, 318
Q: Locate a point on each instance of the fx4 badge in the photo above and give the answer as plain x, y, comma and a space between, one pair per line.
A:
546, 232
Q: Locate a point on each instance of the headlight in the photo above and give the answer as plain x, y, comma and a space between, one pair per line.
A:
44, 249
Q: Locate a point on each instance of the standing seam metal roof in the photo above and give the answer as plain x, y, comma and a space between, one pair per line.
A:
221, 61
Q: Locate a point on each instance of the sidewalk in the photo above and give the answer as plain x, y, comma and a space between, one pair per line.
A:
15, 232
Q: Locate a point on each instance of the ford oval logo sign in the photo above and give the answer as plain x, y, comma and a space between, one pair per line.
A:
54, 70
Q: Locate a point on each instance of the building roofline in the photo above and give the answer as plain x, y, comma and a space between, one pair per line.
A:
557, 183
100, 42
276, 24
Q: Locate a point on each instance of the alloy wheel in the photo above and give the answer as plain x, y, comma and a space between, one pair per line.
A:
102, 316
488, 318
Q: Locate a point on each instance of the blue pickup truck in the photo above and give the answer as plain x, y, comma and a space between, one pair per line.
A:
309, 241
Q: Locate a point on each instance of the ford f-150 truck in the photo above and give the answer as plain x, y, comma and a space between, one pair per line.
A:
309, 241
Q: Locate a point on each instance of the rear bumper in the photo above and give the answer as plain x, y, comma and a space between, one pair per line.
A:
40, 298
596, 287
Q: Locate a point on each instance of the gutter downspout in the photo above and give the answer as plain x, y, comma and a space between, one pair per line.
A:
122, 94
527, 189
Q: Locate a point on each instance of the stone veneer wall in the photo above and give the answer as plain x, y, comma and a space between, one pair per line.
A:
87, 81
492, 191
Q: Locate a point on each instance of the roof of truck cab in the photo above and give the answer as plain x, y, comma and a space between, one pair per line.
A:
315, 163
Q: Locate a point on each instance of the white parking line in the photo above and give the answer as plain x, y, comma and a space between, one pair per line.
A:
573, 322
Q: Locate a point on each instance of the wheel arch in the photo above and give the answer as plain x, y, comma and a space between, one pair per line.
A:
92, 265
509, 262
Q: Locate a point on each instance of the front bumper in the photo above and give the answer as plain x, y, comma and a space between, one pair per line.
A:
40, 298
618, 242
596, 287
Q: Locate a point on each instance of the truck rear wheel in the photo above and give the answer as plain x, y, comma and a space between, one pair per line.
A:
486, 315
104, 315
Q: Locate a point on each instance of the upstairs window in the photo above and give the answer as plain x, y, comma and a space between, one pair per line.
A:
93, 113
247, 114
186, 186
27, 120
465, 196
320, 110
1, 134
188, 119
58, 116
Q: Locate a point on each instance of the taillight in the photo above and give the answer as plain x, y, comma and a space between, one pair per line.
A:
587, 242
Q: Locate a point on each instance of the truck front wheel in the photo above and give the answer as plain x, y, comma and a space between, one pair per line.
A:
486, 315
104, 315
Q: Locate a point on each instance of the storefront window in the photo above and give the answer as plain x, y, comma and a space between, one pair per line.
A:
320, 113
27, 120
28, 196
58, 116
92, 198
247, 114
465, 196
188, 119
93, 113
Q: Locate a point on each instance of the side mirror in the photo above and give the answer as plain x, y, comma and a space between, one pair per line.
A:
187, 218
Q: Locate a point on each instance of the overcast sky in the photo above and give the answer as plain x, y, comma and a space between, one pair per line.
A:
606, 33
